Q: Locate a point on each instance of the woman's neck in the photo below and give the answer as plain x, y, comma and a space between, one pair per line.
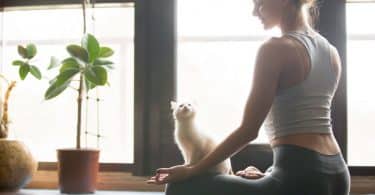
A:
293, 21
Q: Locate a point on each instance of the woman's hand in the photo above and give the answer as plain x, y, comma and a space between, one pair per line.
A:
250, 172
172, 174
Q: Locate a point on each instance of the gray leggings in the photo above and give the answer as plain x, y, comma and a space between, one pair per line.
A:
295, 171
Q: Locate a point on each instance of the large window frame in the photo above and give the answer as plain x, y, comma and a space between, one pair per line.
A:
155, 85
19, 4
355, 170
154, 53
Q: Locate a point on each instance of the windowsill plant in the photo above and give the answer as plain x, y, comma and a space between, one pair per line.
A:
17, 162
87, 63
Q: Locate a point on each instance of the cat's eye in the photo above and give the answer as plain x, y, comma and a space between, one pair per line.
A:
181, 105
189, 104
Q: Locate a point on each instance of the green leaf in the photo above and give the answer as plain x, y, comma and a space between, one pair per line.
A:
105, 52
69, 60
104, 63
78, 52
100, 62
53, 63
18, 63
66, 75
31, 50
109, 66
23, 71
60, 83
96, 75
52, 81
22, 51
89, 85
56, 89
69, 63
91, 45
35, 71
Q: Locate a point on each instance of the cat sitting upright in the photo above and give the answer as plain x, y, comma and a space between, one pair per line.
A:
192, 142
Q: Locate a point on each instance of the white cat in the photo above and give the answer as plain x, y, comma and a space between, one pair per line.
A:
193, 143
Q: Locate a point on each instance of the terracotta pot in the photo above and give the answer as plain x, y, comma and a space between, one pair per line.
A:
78, 170
17, 165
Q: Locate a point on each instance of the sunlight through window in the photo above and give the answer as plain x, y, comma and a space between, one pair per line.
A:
361, 93
217, 44
48, 125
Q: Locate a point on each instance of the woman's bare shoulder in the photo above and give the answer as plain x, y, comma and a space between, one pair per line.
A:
275, 41
277, 47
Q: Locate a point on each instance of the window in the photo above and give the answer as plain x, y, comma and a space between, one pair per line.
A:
360, 84
48, 125
217, 45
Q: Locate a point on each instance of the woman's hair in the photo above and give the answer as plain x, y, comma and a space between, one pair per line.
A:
300, 3
313, 10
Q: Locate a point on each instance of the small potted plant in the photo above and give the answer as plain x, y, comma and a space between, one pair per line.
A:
78, 167
17, 164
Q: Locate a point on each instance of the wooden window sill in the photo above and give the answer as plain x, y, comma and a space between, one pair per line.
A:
127, 182
98, 192
363, 184
106, 181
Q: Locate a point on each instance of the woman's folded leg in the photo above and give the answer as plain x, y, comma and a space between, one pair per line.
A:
217, 184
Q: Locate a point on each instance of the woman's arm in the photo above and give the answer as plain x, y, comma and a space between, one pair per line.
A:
266, 78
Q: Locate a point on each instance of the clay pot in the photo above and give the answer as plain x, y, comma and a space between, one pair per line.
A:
78, 170
17, 165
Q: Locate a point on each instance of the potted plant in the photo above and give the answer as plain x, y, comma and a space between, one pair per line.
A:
17, 164
87, 63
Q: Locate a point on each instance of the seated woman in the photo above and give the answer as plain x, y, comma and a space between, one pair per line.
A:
295, 79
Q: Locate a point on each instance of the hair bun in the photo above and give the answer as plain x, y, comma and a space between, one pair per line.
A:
308, 2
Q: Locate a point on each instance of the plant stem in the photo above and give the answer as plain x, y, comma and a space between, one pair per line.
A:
84, 16
4, 120
80, 89
79, 117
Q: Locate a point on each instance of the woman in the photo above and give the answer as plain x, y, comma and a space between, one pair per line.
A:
295, 79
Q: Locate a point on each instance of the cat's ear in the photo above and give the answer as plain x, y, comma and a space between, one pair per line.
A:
173, 105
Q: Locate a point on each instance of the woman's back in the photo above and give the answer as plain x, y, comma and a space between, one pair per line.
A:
300, 113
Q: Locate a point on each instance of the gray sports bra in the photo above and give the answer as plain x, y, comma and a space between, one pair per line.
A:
306, 107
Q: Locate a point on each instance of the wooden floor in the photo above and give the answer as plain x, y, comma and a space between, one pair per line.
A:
56, 192
127, 184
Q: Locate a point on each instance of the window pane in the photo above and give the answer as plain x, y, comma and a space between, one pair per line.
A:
361, 70
48, 125
218, 18
359, 18
217, 45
